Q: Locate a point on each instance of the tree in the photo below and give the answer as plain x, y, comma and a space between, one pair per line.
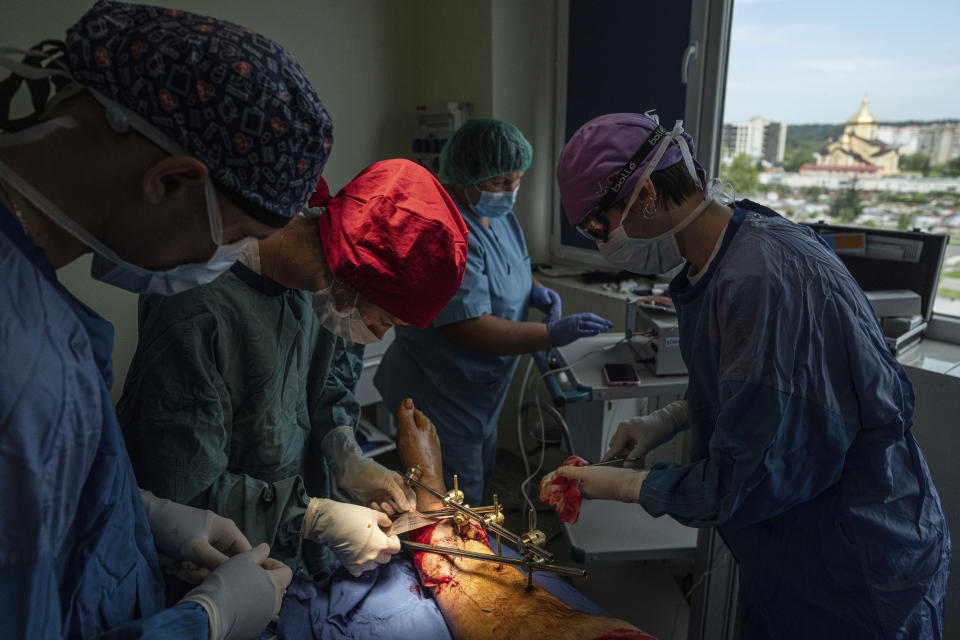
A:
905, 221
915, 162
796, 157
741, 173
812, 193
952, 168
847, 204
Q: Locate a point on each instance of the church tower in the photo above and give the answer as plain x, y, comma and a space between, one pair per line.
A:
862, 124
858, 151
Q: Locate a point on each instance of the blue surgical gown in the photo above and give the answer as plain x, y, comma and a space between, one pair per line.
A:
77, 558
461, 390
232, 388
386, 603
802, 451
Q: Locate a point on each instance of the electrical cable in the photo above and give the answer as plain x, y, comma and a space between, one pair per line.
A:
543, 446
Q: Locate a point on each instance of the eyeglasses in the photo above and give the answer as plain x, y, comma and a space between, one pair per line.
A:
595, 226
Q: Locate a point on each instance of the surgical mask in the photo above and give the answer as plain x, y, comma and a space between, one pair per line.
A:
110, 268
495, 204
661, 253
107, 265
250, 258
338, 310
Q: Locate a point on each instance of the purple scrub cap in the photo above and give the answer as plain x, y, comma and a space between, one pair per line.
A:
234, 99
594, 158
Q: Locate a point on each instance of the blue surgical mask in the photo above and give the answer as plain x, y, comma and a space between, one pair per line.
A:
113, 270
495, 204
107, 265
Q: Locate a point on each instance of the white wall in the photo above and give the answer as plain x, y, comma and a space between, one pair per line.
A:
523, 55
453, 53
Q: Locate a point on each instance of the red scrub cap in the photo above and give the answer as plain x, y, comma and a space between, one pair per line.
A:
395, 236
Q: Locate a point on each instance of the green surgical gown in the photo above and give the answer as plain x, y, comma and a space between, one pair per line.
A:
232, 388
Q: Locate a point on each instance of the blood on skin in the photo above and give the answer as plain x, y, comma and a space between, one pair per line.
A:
424, 535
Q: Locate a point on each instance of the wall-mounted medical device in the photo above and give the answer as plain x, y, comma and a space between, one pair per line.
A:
433, 125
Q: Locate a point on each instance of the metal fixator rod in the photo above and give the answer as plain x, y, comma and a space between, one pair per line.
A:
486, 557
524, 544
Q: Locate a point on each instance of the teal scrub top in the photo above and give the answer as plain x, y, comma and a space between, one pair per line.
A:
461, 390
233, 386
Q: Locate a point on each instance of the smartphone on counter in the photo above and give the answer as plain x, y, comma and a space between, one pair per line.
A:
618, 374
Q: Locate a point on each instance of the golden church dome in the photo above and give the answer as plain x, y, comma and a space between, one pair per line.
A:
863, 116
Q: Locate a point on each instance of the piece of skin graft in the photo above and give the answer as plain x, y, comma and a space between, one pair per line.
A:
563, 493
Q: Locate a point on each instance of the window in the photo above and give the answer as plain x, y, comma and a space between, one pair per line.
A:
849, 113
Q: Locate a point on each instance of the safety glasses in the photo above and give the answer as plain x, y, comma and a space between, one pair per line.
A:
595, 226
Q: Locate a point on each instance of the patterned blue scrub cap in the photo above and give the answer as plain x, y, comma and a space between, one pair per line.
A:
234, 99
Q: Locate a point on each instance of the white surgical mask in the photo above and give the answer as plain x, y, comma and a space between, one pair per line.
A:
495, 204
661, 253
342, 318
250, 258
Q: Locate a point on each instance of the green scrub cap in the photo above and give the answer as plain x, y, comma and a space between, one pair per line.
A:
483, 148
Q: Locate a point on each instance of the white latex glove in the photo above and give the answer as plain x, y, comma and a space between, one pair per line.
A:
366, 480
351, 531
637, 436
243, 594
606, 483
192, 535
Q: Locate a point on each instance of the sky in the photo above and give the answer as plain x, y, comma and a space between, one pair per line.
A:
813, 61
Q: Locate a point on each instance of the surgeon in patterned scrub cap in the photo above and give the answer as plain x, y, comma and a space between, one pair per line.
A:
171, 142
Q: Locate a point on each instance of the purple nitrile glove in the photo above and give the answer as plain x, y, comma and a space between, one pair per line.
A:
580, 325
546, 300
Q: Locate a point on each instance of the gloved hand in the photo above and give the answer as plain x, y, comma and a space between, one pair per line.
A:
194, 535
546, 300
368, 481
580, 325
351, 531
636, 436
606, 483
243, 594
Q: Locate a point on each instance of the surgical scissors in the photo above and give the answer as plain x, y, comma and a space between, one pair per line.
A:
620, 461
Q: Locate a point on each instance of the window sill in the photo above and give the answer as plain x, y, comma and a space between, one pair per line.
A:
944, 329
934, 356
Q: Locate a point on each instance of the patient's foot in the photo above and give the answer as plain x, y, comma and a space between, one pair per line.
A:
418, 444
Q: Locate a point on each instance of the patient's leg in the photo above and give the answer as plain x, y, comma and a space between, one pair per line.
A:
482, 599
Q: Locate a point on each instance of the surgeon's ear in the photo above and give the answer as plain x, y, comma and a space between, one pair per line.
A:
648, 195
172, 177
